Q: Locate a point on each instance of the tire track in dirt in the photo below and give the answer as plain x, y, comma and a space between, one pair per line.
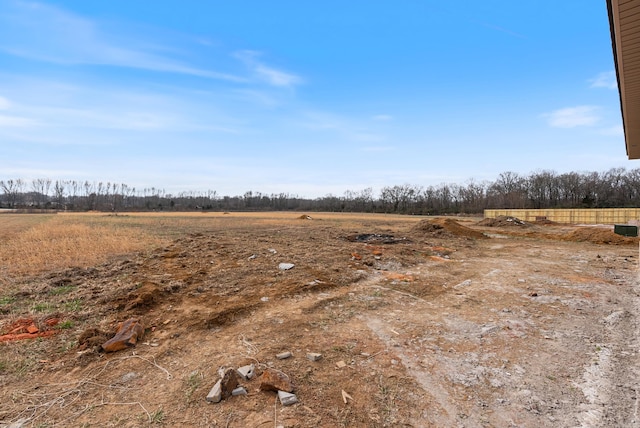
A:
610, 381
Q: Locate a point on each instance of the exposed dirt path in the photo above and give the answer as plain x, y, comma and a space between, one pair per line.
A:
420, 326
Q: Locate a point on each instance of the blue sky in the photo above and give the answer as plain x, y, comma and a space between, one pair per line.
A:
308, 98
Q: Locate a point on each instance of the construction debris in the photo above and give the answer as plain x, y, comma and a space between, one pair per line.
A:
275, 380
128, 334
286, 398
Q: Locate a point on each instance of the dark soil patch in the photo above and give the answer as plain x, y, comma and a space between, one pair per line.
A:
376, 238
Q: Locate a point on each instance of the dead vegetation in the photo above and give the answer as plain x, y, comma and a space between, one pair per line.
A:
420, 322
57, 243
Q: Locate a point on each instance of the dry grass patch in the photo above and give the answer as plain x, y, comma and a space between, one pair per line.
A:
57, 244
13, 224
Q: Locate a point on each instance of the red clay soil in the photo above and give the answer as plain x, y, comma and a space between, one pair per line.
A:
597, 235
446, 227
25, 328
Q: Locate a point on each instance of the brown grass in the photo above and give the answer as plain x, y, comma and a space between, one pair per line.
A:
65, 241
34, 243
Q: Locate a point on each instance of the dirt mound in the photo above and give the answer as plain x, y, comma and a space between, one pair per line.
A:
546, 222
598, 235
443, 227
503, 221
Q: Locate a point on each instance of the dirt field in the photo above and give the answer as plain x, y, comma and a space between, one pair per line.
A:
421, 322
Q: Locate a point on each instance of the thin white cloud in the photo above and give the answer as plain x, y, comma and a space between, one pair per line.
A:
382, 117
377, 149
344, 127
367, 137
606, 79
15, 121
4, 103
258, 97
276, 77
59, 113
613, 131
267, 73
572, 117
45, 33
502, 30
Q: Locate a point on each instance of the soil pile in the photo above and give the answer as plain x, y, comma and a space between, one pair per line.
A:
443, 227
503, 221
546, 222
598, 235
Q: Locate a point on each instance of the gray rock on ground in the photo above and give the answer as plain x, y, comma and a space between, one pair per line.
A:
286, 398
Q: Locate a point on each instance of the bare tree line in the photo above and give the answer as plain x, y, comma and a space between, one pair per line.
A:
616, 187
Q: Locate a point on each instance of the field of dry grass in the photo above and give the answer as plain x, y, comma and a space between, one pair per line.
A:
36, 243
31, 244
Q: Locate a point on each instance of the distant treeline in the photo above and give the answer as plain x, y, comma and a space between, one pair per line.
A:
616, 187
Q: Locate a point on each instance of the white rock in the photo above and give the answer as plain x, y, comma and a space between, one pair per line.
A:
285, 266
247, 372
286, 398
215, 395
239, 391
314, 356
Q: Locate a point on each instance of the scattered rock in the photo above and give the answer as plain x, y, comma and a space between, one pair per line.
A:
128, 334
488, 329
283, 355
229, 382
340, 364
247, 372
314, 356
24, 328
502, 221
128, 377
376, 238
275, 380
215, 395
286, 266
239, 391
287, 399
465, 283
